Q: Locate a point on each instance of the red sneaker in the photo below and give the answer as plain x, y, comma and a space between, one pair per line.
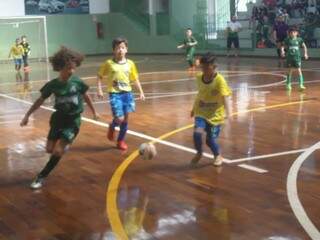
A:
122, 145
110, 134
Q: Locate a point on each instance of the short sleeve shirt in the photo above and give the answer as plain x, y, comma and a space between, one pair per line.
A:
68, 94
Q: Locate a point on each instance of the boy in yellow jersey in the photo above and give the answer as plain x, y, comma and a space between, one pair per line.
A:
209, 108
120, 73
16, 52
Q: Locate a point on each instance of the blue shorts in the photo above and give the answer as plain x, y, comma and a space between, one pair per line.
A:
211, 130
122, 103
17, 61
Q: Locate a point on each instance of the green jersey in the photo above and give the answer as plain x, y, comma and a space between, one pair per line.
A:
293, 47
187, 42
68, 95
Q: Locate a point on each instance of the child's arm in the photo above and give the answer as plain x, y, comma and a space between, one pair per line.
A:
305, 50
88, 100
138, 85
99, 87
10, 52
34, 107
226, 103
282, 51
193, 43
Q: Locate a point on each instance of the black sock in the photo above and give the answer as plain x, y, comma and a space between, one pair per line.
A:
53, 161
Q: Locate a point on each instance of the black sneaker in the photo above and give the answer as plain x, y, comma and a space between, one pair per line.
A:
37, 183
195, 159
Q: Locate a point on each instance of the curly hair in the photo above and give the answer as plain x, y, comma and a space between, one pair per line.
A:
65, 56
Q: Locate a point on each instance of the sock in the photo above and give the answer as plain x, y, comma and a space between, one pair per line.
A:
53, 161
288, 79
123, 131
213, 145
114, 124
197, 139
301, 80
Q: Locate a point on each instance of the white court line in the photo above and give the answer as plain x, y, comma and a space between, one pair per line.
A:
154, 97
268, 155
184, 79
9, 115
252, 168
14, 121
292, 192
13, 111
236, 73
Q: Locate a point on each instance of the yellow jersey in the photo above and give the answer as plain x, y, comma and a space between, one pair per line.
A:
119, 75
16, 51
209, 102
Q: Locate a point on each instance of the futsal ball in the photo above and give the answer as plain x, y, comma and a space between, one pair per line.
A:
147, 151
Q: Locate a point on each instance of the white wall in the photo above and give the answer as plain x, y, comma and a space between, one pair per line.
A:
16, 7
99, 6
11, 8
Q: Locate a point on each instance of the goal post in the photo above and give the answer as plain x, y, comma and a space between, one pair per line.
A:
34, 28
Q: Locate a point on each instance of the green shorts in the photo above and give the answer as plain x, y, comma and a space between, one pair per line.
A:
64, 127
190, 55
293, 63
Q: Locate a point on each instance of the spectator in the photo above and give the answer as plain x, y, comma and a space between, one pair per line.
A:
280, 33
232, 35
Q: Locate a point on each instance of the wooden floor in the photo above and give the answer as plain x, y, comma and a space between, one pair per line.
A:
267, 189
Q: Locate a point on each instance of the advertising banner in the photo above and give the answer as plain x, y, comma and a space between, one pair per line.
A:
45, 7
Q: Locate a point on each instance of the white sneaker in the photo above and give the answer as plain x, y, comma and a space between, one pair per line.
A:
37, 183
217, 161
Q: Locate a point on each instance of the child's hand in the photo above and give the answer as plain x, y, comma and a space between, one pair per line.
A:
306, 57
96, 116
142, 97
192, 113
100, 94
24, 121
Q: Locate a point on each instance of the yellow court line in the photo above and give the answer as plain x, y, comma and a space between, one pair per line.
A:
111, 195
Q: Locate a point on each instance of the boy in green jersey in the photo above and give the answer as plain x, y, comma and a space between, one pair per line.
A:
189, 44
293, 43
69, 92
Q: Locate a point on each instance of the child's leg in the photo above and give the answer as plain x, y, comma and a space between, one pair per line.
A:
123, 127
117, 110
212, 134
288, 80
112, 126
57, 149
301, 79
128, 105
197, 139
198, 131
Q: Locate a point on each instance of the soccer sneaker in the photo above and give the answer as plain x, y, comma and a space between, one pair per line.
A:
195, 159
302, 87
37, 183
122, 145
288, 86
217, 161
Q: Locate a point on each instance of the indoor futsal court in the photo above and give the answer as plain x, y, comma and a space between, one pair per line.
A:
267, 187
